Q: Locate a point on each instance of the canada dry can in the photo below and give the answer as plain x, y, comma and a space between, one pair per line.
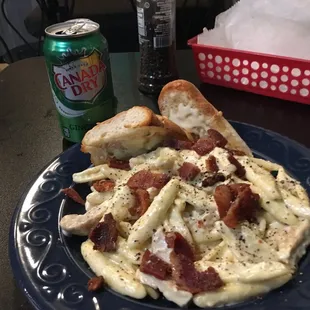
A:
79, 71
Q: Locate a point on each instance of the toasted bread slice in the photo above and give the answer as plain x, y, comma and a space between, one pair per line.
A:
184, 105
129, 133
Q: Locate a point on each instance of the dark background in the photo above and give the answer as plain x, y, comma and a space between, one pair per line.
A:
117, 19
29, 134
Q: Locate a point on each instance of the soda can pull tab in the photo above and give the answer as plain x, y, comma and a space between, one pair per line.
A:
74, 28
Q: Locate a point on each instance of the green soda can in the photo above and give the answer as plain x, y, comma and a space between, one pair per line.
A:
78, 66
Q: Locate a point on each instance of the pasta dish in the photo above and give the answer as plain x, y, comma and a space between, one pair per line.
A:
192, 219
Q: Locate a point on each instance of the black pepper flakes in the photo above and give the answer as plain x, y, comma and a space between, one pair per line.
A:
157, 67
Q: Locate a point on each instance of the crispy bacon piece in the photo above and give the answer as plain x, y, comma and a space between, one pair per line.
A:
145, 179
104, 185
74, 195
223, 197
119, 164
238, 187
240, 172
183, 269
206, 144
179, 244
212, 164
217, 138
236, 203
213, 179
203, 146
104, 235
155, 266
188, 171
243, 208
179, 144
94, 284
236, 152
189, 279
143, 201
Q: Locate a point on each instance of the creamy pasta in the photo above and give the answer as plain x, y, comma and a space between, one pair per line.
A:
251, 259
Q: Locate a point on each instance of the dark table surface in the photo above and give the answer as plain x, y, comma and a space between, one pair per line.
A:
29, 135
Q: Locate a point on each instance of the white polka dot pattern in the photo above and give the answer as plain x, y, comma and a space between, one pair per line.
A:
218, 69
286, 79
218, 59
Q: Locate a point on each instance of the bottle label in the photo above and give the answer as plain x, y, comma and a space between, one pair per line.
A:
155, 22
141, 22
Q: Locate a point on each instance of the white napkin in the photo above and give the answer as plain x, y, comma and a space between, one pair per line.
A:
280, 27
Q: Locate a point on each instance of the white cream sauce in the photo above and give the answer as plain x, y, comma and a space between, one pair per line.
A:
252, 259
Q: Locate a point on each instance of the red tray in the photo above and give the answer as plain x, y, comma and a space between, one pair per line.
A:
281, 77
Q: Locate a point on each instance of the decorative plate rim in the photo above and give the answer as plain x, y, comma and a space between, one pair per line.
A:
17, 267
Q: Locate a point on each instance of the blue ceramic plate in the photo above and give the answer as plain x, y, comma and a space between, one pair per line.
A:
49, 267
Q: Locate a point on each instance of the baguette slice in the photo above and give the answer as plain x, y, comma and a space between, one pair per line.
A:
129, 133
184, 105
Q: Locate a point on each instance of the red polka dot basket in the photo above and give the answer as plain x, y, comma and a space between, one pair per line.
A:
281, 77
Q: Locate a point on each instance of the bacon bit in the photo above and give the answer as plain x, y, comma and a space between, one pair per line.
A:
217, 138
183, 269
188, 171
179, 144
104, 185
203, 146
189, 279
145, 179
243, 208
240, 172
236, 152
223, 197
213, 282
119, 164
215, 178
180, 245
236, 203
104, 235
260, 241
74, 195
238, 187
212, 164
95, 284
143, 201
200, 224
155, 266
